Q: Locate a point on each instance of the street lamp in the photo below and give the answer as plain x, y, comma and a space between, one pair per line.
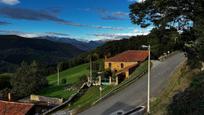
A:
148, 79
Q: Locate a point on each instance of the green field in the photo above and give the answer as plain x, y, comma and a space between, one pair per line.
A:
93, 93
6, 75
72, 77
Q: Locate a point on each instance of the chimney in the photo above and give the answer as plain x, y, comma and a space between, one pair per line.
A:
9, 96
106, 58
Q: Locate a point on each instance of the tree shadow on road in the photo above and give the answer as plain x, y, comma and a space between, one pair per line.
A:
118, 107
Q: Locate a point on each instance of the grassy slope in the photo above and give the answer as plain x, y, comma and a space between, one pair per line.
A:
190, 101
72, 76
92, 95
180, 80
5, 75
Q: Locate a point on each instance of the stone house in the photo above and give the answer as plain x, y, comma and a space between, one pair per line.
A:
124, 64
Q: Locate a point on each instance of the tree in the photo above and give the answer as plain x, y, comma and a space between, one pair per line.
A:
190, 101
4, 94
183, 15
28, 79
164, 13
107, 73
163, 41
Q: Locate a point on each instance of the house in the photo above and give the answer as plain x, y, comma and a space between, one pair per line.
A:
15, 108
125, 63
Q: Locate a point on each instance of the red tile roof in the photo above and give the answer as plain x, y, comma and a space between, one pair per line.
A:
14, 108
129, 56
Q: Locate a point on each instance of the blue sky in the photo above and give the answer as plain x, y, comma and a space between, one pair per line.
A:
80, 19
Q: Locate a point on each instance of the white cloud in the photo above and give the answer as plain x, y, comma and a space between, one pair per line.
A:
136, 1
119, 35
116, 36
19, 33
141, 0
32, 34
10, 2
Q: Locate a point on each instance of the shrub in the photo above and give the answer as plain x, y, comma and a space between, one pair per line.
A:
64, 81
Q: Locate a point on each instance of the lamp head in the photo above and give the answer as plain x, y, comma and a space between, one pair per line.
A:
144, 46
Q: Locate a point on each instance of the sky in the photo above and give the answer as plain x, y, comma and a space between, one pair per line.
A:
79, 19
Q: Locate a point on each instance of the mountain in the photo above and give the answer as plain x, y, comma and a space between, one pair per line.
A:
83, 45
15, 49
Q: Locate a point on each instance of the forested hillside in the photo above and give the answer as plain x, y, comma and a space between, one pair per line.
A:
15, 49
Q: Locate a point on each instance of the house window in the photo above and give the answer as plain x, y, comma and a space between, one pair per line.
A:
122, 65
109, 65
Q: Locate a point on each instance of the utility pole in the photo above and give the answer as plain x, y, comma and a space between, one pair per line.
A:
148, 90
58, 73
100, 89
90, 78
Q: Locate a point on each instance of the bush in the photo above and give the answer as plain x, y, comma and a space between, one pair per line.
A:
64, 81
4, 84
190, 101
107, 73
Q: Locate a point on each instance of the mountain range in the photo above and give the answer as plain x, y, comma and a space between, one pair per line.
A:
83, 45
15, 49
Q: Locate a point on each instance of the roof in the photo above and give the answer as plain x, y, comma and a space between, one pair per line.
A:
14, 108
129, 56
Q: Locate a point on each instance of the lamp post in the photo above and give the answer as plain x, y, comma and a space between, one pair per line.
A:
58, 73
90, 77
148, 79
100, 87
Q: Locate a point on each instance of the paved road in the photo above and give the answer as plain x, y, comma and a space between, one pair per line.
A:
135, 94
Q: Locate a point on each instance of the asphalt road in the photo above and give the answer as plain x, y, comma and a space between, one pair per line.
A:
136, 93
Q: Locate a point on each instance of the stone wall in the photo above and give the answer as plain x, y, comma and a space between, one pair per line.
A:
52, 101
